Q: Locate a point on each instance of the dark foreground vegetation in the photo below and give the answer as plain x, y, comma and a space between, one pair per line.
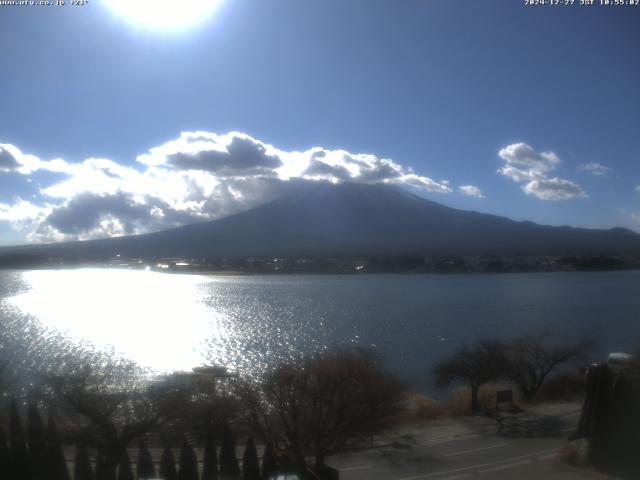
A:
67, 412
610, 420
111, 421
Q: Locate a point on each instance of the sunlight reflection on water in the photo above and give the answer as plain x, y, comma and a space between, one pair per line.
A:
155, 319
171, 322
251, 323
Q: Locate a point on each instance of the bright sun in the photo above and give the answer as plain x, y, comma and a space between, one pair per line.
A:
163, 14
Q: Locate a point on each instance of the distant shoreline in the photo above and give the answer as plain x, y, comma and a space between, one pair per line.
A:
399, 264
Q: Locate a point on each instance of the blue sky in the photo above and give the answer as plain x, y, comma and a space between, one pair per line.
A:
109, 127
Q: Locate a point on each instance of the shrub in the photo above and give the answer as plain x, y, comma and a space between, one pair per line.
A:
103, 472
145, 468
82, 466
18, 464
188, 463
269, 461
125, 472
56, 464
563, 387
459, 403
229, 468
4, 452
210, 468
37, 444
168, 465
250, 465
426, 408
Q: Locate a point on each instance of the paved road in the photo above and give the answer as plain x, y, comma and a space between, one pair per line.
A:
521, 446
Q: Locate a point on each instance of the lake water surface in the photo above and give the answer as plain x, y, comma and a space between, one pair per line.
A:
170, 322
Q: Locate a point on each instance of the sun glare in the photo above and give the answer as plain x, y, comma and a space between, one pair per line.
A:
163, 14
162, 325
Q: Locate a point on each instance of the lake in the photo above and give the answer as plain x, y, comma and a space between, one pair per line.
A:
248, 323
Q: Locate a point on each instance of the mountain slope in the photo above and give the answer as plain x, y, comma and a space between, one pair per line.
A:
353, 219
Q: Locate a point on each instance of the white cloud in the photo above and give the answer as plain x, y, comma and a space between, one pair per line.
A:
22, 210
97, 175
23, 217
527, 159
230, 155
471, 191
198, 176
237, 155
8, 160
637, 189
595, 168
419, 181
554, 189
13, 160
526, 166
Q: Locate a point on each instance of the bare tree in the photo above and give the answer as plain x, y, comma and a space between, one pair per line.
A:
532, 357
188, 403
95, 390
111, 401
483, 363
322, 405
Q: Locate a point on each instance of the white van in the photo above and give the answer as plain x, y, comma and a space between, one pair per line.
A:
619, 360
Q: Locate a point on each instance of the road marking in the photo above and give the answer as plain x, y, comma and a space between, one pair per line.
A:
531, 455
516, 464
454, 438
496, 469
476, 449
351, 469
456, 477
572, 414
460, 437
